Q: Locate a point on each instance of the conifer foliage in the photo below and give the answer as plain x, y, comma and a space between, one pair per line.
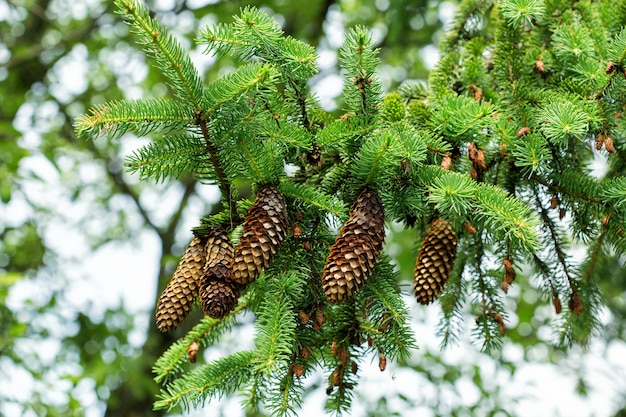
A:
497, 150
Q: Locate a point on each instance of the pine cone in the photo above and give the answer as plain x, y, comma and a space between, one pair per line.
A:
218, 297
264, 230
355, 252
178, 297
218, 292
435, 261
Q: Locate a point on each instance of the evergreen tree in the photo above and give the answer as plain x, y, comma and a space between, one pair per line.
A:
491, 165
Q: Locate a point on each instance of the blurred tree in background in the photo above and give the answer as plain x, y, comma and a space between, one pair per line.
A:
65, 199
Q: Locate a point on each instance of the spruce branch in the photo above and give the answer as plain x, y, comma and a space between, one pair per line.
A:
224, 375
289, 135
362, 89
522, 12
376, 155
593, 259
555, 238
221, 39
563, 190
313, 197
339, 132
490, 326
450, 192
141, 117
451, 300
169, 157
563, 121
503, 213
275, 328
468, 12
204, 333
246, 78
172, 59
613, 192
217, 166
385, 305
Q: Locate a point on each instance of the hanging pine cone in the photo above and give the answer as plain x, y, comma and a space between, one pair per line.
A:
435, 261
264, 230
355, 252
218, 297
177, 298
219, 293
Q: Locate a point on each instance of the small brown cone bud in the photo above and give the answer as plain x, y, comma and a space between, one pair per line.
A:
480, 159
599, 141
354, 367
382, 362
523, 131
609, 145
334, 349
509, 274
385, 322
264, 230
473, 173
298, 370
610, 67
305, 353
554, 202
355, 252
472, 151
304, 317
319, 319
435, 261
218, 292
297, 232
478, 94
343, 357
192, 352
446, 162
337, 376
556, 302
503, 149
606, 219
500, 321
539, 66
470, 228
176, 300
575, 305
562, 213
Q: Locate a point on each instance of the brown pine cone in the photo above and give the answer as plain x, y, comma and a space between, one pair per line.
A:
355, 252
218, 292
178, 297
218, 297
435, 261
264, 230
